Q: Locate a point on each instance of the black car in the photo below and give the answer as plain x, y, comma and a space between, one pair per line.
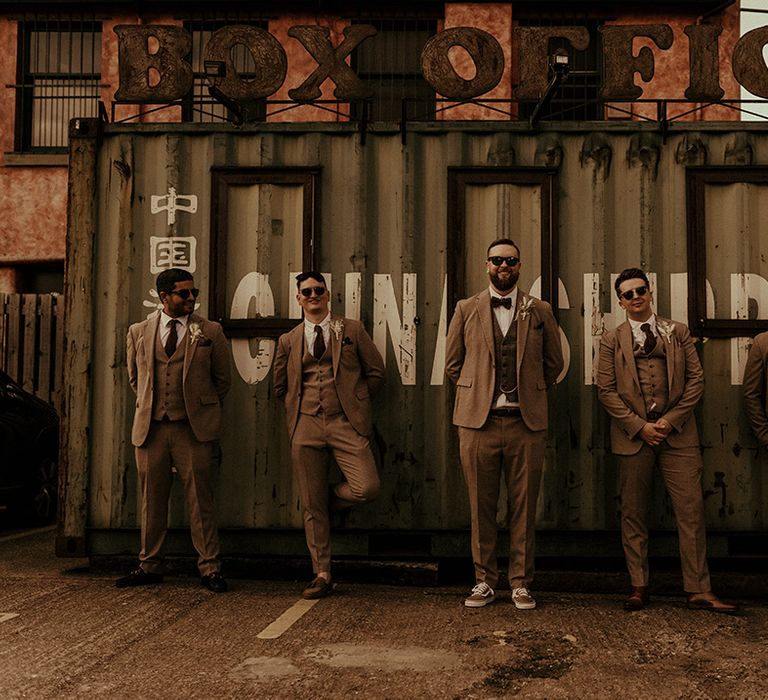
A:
29, 436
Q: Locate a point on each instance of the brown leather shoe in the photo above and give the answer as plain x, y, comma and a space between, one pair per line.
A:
638, 599
319, 588
709, 601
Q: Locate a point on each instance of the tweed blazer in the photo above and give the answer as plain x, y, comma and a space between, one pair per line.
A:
755, 387
206, 375
470, 359
358, 372
620, 393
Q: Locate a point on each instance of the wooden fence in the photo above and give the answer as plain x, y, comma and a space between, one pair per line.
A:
31, 342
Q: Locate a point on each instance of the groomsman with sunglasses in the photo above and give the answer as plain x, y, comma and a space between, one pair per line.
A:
649, 380
326, 370
179, 368
502, 352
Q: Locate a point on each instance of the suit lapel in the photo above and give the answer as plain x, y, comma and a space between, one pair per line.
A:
297, 351
522, 329
189, 348
484, 313
624, 335
335, 350
151, 331
672, 349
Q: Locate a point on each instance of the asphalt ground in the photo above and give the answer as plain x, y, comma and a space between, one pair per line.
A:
67, 632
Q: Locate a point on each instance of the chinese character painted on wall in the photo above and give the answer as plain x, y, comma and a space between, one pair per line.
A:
176, 251
172, 202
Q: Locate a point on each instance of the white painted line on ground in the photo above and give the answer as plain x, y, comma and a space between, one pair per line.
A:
284, 622
27, 533
7, 616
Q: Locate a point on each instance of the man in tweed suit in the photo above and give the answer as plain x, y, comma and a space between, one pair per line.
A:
326, 370
649, 380
179, 368
502, 352
755, 387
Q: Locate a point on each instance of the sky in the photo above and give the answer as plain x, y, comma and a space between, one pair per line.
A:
754, 13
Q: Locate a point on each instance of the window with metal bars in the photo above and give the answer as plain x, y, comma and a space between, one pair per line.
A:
59, 68
198, 105
578, 98
390, 64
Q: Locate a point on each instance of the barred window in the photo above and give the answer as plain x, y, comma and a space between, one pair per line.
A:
198, 105
578, 97
59, 69
390, 64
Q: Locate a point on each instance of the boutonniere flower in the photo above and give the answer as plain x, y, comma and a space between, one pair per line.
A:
666, 329
337, 326
195, 332
526, 308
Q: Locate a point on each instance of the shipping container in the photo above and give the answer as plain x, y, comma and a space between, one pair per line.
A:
400, 223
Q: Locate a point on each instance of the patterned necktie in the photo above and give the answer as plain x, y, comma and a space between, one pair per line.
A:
319, 349
173, 338
650, 338
506, 302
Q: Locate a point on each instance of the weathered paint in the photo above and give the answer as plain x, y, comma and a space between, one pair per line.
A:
672, 68
383, 207
29, 237
496, 19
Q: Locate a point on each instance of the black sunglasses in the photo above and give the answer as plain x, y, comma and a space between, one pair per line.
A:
496, 260
630, 293
186, 293
307, 291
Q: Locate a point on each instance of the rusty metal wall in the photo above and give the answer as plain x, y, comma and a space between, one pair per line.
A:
621, 202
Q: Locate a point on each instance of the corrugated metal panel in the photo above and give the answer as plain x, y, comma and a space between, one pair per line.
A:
621, 203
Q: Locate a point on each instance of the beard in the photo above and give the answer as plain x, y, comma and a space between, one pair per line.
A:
504, 284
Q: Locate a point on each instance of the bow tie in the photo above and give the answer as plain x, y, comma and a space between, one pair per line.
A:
506, 302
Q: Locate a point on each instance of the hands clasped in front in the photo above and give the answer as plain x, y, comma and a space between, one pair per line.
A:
655, 433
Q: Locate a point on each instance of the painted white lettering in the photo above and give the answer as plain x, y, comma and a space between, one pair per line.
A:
386, 318
353, 292
253, 356
745, 286
438, 361
562, 303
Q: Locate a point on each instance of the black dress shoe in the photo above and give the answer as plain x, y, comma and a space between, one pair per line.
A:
638, 599
214, 582
138, 577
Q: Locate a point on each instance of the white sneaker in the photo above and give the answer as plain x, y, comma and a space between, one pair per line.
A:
523, 599
482, 594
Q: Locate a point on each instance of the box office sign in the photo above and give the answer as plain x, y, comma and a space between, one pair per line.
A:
164, 74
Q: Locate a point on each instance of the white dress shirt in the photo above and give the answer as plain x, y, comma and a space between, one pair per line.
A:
505, 318
165, 329
309, 333
638, 334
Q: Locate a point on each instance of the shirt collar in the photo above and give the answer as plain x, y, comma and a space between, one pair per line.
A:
512, 295
324, 324
164, 318
637, 324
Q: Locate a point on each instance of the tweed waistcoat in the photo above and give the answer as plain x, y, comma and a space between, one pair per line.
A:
168, 389
318, 392
652, 373
505, 348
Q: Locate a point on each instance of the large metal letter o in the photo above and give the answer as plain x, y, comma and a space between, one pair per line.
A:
748, 63
484, 50
269, 56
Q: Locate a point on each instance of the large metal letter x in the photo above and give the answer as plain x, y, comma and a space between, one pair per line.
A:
330, 62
